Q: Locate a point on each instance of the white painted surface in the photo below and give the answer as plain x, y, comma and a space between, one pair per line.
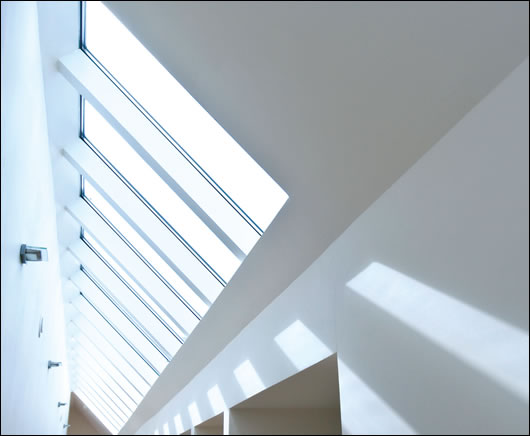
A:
455, 224
335, 100
437, 340
211, 426
316, 387
30, 392
284, 421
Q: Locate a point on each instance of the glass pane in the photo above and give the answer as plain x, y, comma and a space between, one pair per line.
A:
148, 253
132, 373
105, 394
98, 411
95, 396
182, 116
123, 325
135, 306
161, 197
104, 369
134, 387
91, 317
99, 386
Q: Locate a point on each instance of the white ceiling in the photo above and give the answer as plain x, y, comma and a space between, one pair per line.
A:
334, 100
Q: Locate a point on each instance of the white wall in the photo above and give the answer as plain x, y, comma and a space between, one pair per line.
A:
284, 421
30, 392
433, 315
424, 297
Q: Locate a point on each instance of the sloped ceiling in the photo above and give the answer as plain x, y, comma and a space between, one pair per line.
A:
335, 101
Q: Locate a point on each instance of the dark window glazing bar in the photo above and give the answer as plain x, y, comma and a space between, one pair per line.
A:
121, 335
81, 346
98, 406
112, 346
148, 264
146, 203
163, 131
129, 316
133, 291
99, 382
96, 346
116, 420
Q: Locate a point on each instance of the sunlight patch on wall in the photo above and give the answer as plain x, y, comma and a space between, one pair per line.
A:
248, 379
216, 400
301, 345
178, 424
363, 411
195, 415
492, 346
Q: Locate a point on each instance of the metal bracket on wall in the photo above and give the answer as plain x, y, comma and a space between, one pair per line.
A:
33, 254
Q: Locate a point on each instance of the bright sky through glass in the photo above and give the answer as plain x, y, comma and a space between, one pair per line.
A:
139, 306
100, 332
148, 253
129, 386
163, 199
97, 409
140, 298
182, 116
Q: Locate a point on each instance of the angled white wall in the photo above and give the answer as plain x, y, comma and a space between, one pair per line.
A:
30, 392
432, 285
424, 297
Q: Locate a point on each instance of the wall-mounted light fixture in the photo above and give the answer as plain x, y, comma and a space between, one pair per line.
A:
33, 254
53, 364
59, 404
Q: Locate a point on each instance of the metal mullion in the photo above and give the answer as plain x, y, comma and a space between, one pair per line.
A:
97, 381
111, 345
152, 268
121, 335
99, 390
85, 351
133, 291
81, 382
129, 316
173, 142
96, 401
110, 376
82, 25
87, 390
111, 362
154, 211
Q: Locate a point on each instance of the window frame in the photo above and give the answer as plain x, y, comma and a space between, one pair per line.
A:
131, 246
111, 324
144, 201
131, 289
83, 47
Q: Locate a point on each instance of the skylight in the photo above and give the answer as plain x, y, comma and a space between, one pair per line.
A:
182, 117
159, 195
170, 207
